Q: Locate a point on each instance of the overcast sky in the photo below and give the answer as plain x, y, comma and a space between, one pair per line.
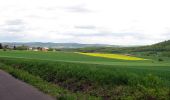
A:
118, 22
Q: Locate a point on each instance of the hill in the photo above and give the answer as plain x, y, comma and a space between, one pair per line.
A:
162, 48
55, 45
158, 47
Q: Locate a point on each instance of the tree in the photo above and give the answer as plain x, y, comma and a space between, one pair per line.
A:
1, 47
160, 59
5, 47
14, 47
50, 49
23, 47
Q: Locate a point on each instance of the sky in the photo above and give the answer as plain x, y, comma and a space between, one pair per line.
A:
116, 22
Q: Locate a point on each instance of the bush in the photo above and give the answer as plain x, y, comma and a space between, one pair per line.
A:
160, 59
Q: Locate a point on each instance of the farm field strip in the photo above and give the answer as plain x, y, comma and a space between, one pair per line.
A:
113, 64
112, 56
66, 56
137, 66
74, 58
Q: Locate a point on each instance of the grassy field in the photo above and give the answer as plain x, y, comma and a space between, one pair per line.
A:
97, 76
79, 58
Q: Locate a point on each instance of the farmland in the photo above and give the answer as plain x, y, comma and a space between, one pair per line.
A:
106, 78
113, 56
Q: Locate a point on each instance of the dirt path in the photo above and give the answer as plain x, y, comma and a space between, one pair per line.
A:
13, 89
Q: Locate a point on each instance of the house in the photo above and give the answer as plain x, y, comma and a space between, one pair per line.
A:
44, 49
39, 49
33, 49
30, 48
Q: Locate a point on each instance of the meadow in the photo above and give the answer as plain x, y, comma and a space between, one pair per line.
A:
102, 77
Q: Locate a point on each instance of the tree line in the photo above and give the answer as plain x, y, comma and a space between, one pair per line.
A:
7, 47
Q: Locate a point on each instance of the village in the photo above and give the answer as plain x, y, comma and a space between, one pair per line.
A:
23, 47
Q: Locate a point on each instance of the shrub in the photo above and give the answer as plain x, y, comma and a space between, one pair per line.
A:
160, 59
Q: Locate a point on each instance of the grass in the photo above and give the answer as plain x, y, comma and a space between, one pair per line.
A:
62, 56
48, 88
95, 76
78, 58
112, 56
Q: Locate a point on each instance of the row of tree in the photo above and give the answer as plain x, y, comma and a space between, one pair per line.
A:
1, 47
23, 47
7, 47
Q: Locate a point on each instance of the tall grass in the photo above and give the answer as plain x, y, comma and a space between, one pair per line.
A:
99, 80
49, 88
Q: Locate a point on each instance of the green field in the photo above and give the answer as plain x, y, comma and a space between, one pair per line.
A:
96, 76
74, 57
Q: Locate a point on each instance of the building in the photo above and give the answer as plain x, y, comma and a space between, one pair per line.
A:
44, 49
30, 48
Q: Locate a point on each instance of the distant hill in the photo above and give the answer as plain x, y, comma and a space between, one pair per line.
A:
164, 44
158, 47
56, 45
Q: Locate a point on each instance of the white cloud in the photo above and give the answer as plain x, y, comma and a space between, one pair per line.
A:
126, 22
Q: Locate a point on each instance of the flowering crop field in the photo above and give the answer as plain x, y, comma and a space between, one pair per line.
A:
113, 56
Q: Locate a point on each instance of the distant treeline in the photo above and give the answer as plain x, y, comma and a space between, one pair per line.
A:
163, 46
7, 47
24, 47
159, 47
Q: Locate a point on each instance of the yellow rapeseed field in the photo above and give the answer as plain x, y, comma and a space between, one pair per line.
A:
112, 56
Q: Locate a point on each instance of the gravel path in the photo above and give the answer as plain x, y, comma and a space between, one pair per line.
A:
13, 89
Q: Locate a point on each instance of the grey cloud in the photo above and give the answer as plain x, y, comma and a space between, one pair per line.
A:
85, 27
15, 22
86, 35
49, 8
10, 37
78, 8
100, 34
75, 8
12, 30
137, 36
16, 25
167, 34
